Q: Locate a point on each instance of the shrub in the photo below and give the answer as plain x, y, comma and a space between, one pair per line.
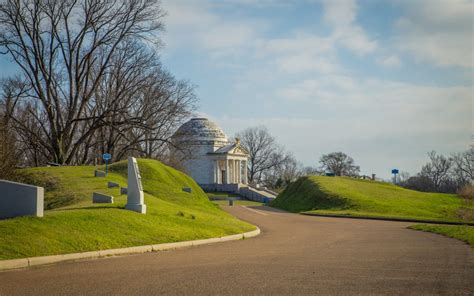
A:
467, 192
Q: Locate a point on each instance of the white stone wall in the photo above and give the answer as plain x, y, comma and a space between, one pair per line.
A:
200, 170
201, 166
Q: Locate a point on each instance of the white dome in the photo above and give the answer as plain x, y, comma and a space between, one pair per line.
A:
200, 129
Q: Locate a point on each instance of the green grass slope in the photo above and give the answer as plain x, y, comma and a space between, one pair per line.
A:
352, 197
74, 224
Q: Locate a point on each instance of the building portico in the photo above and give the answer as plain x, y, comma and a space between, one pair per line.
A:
230, 169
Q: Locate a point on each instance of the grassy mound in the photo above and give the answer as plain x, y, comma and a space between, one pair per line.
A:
76, 225
352, 197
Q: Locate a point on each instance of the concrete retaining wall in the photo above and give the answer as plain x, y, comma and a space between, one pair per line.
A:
17, 199
234, 188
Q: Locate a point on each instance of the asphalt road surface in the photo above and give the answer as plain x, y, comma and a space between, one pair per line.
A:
294, 255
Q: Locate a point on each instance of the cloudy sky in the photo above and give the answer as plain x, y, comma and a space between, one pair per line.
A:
384, 81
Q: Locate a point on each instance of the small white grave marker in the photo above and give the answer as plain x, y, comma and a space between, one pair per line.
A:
135, 198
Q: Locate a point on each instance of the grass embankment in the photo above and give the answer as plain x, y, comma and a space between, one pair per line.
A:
77, 225
365, 198
460, 232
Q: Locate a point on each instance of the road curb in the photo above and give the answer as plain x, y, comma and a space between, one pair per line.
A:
389, 219
46, 260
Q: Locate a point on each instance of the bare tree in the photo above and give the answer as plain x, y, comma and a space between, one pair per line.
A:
264, 152
311, 171
167, 102
283, 174
444, 174
437, 170
147, 104
64, 49
339, 164
8, 150
403, 177
463, 166
13, 90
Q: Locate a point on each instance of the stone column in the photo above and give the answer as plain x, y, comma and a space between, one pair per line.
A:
235, 175
226, 171
233, 171
236, 171
135, 198
240, 171
215, 171
246, 180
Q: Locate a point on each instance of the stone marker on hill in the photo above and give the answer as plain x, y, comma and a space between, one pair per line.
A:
135, 198
123, 190
17, 199
98, 173
112, 184
102, 198
187, 189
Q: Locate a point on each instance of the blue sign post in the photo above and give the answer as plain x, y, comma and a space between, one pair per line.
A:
395, 172
106, 157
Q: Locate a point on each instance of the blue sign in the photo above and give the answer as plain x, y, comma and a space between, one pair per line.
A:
395, 171
106, 157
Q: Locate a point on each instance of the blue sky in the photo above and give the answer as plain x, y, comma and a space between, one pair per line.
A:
383, 81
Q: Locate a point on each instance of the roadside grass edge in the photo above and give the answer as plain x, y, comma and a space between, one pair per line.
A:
48, 260
386, 218
462, 233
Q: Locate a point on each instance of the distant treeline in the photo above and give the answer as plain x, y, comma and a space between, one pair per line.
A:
446, 174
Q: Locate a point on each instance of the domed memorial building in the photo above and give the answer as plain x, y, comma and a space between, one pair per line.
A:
213, 161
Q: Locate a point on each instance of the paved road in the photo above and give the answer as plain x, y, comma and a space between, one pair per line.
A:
294, 255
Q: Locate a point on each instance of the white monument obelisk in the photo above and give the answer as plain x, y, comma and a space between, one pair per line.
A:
135, 199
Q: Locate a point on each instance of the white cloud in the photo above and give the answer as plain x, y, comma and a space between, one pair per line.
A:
341, 15
305, 52
296, 43
193, 24
197, 25
438, 31
393, 105
392, 61
306, 63
299, 53
258, 3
